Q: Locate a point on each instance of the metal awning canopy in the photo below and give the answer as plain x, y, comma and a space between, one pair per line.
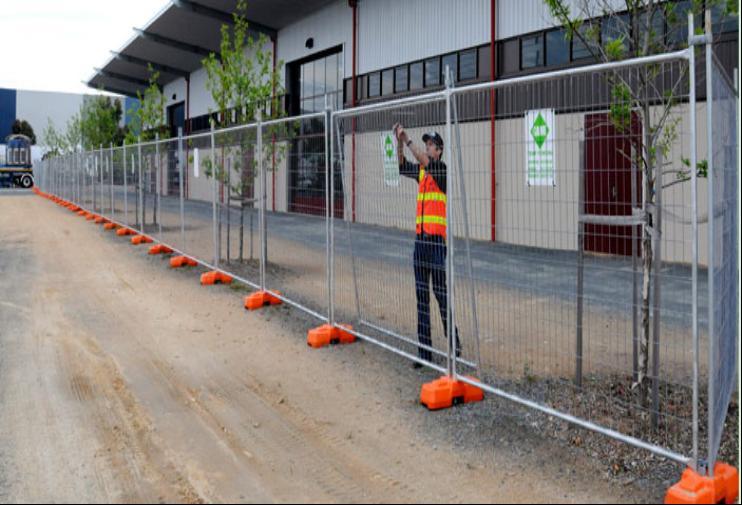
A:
183, 33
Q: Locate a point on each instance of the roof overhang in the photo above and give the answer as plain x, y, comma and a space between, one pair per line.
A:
183, 33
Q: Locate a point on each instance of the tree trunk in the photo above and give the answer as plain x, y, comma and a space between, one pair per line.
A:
647, 255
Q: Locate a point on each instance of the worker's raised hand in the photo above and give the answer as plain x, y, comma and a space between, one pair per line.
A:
400, 132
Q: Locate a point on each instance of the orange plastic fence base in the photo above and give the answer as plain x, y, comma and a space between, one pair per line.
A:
262, 299
160, 249
182, 261
81, 212
328, 334
90, 217
445, 392
214, 277
122, 232
723, 487
100, 220
141, 239
109, 226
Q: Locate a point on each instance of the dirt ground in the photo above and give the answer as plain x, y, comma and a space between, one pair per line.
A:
122, 380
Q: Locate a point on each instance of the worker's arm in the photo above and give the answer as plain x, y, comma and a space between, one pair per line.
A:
406, 168
404, 139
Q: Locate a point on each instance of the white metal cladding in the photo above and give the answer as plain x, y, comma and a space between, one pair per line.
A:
329, 27
200, 97
38, 107
392, 32
516, 17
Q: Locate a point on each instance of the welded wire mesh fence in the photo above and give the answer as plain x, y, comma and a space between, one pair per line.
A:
543, 234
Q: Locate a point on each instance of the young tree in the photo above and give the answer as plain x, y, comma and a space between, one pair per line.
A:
55, 141
637, 30
22, 127
242, 82
99, 122
148, 121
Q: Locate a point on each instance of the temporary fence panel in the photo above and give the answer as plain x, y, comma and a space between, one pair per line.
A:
567, 240
723, 287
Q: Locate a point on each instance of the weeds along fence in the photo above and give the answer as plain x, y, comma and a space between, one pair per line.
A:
585, 256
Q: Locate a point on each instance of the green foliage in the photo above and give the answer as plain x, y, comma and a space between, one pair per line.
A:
149, 119
23, 127
621, 107
242, 82
55, 141
99, 122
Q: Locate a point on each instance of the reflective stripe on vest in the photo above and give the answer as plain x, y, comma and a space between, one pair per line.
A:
431, 207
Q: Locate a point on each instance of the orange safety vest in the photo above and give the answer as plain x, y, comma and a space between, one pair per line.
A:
431, 207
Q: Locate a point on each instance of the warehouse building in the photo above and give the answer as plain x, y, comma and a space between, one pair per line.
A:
357, 52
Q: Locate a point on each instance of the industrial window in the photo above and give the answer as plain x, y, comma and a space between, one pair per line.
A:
721, 22
509, 57
484, 62
387, 82
416, 75
22, 160
657, 25
468, 65
580, 50
616, 27
432, 72
374, 84
532, 51
362, 84
401, 79
449, 61
557, 47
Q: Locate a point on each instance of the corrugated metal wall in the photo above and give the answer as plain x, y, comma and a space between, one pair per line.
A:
329, 27
392, 31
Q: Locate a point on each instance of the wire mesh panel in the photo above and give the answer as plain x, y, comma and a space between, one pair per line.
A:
291, 180
194, 233
390, 245
723, 190
233, 186
164, 156
572, 219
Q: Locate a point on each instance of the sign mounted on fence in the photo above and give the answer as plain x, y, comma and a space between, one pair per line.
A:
195, 163
540, 159
389, 154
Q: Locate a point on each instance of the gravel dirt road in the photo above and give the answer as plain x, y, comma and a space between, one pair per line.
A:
122, 380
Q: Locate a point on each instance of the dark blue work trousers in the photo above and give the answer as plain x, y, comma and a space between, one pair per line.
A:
430, 264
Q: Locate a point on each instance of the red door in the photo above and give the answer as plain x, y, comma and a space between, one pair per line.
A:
608, 188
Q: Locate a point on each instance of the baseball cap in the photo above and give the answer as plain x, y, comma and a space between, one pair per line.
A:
435, 138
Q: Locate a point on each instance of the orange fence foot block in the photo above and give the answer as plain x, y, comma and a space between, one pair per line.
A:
100, 220
160, 249
81, 212
723, 487
109, 226
445, 392
262, 299
90, 217
182, 261
141, 239
214, 277
328, 334
122, 232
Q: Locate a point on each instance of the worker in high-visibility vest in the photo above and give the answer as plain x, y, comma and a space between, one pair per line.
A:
430, 227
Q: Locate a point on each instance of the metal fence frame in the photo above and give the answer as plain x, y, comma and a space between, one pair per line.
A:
75, 177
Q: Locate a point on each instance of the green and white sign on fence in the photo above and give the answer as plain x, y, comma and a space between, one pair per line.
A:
389, 154
540, 157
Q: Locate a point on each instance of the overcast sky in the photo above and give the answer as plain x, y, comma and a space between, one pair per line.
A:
53, 45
